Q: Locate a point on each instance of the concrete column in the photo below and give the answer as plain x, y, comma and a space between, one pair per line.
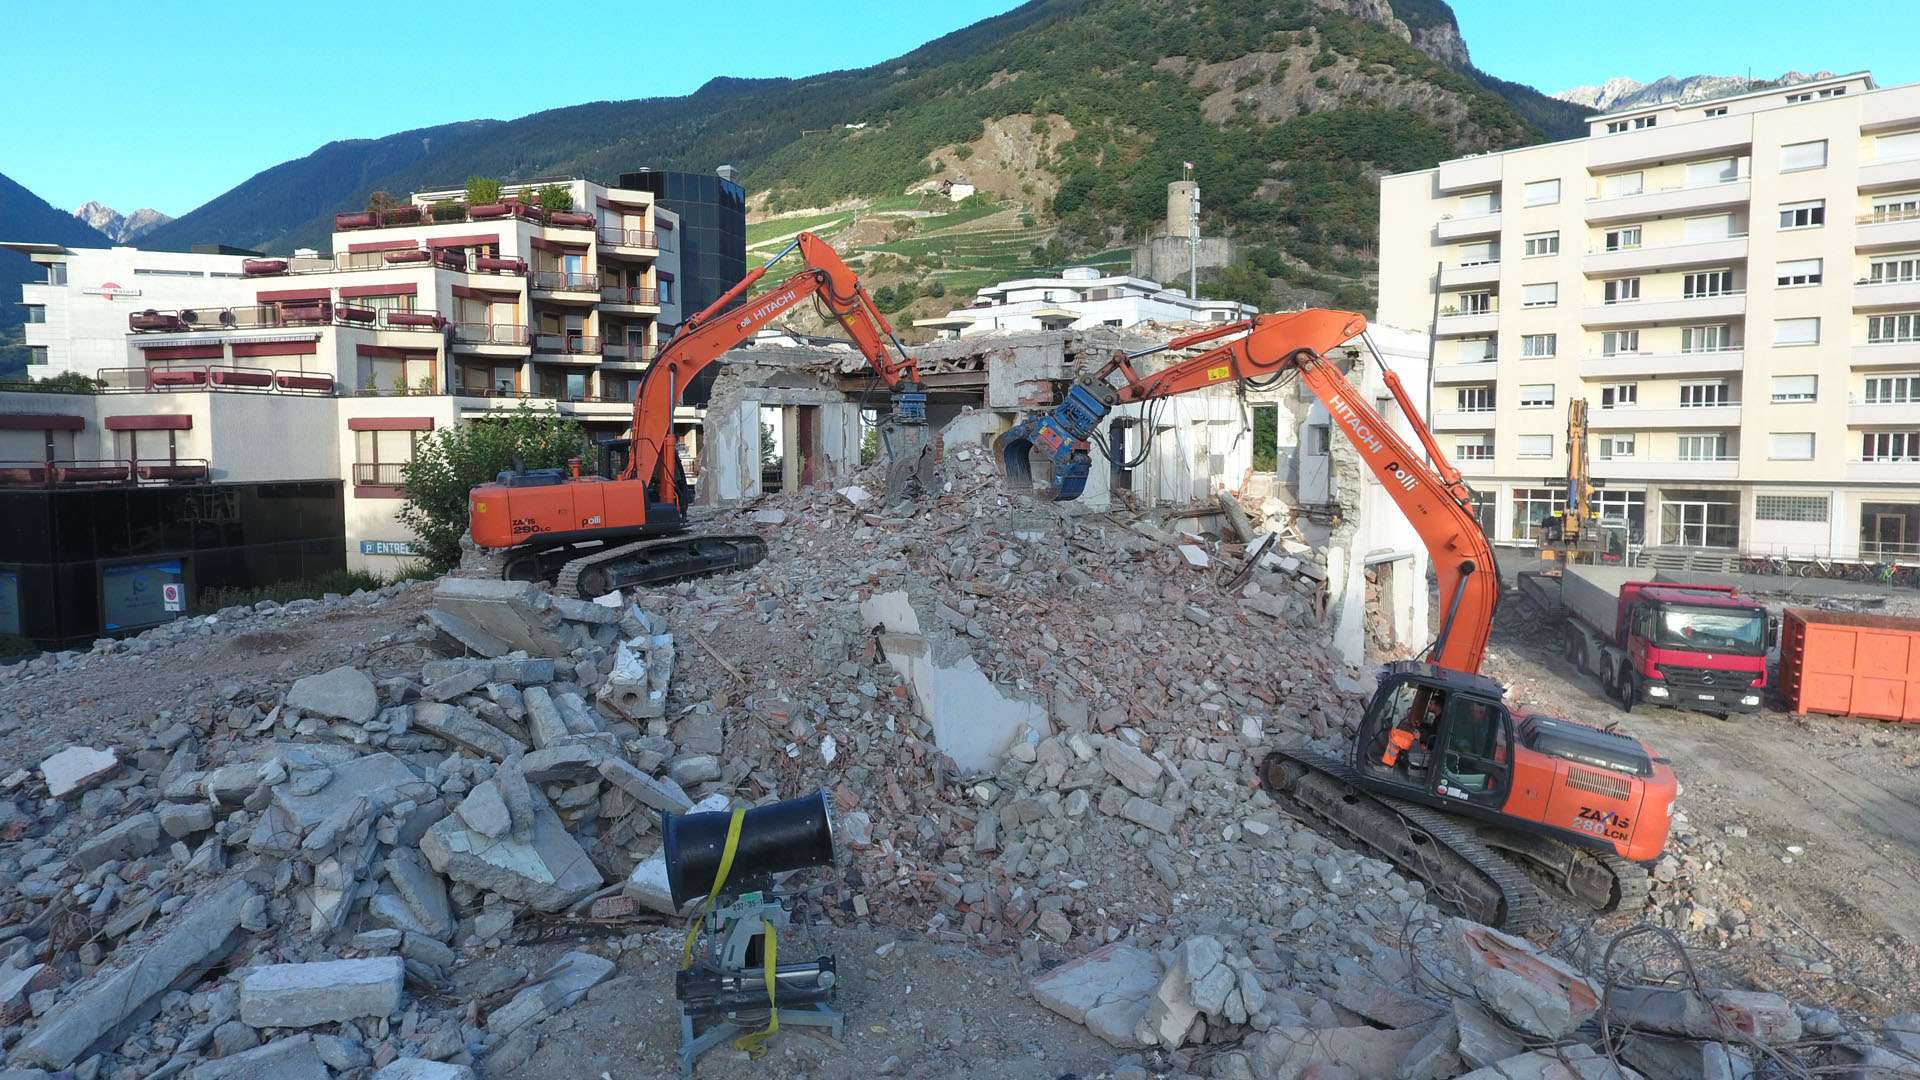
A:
790, 442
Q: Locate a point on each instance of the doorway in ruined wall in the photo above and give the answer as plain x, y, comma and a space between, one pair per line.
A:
789, 441
1382, 642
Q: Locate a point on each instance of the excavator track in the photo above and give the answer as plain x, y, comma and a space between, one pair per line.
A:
1460, 871
658, 562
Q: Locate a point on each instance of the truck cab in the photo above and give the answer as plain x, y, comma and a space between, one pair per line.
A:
1691, 647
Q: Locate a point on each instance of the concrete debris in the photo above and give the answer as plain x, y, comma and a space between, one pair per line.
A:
330, 991
1561, 1063
345, 693
1721, 1014
520, 615
132, 838
422, 1069
77, 768
550, 871
1107, 989
1529, 989
291, 1058
574, 975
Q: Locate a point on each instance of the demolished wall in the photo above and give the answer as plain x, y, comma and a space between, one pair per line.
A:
751, 379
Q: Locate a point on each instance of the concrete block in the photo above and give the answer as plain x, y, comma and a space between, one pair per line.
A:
484, 811
1140, 773
130, 839
1529, 989
1291, 1053
460, 727
455, 684
1107, 990
545, 726
1721, 1014
1151, 814
323, 992
1482, 1039
567, 763
344, 693
662, 795
293, 1058
422, 1069
515, 612
549, 871
423, 891
77, 768
181, 820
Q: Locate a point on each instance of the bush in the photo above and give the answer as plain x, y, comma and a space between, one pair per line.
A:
555, 197
448, 210
482, 191
963, 151
344, 582
448, 463
380, 200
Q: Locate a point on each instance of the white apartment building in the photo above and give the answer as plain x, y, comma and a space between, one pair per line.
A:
76, 316
1081, 298
1732, 285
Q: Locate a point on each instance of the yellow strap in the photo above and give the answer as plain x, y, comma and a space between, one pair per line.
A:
755, 1042
719, 882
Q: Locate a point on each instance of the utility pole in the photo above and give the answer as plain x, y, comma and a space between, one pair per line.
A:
1193, 246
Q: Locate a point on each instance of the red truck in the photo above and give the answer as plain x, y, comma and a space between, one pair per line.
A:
1700, 647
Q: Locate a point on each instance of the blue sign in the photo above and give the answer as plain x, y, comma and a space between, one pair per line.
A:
141, 594
388, 547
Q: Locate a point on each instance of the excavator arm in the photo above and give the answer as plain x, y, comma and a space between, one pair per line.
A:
1422, 482
703, 339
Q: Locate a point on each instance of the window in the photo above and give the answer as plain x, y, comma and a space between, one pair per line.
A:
1535, 346
1697, 339
1787, 388
36, 313
1477, 350
1703, 395
1805, 155
1790, 508
1619, 342
1622, 290
1532, 507
1543, 243
1625, 238
1703, 447
1700, 230
1478, 254
167, 273
1542, 193
1886, 329
1615, 447
1797, 272
1536, 446
1478, 448
1904, 146
1704, 283
381, 457
1536, 396
1475, 399
1618, 506
1619, 184
1790, 446
1893, 390
1803, 215
1717, 171
1797, 331
1890, 446
1881, 271
1615, 127
1716, 110
1542, 294
1809, 95
1886, 208
666, 290
56, 273
36, 355
1708, 518
1476, 303
1479, 205
1620, 396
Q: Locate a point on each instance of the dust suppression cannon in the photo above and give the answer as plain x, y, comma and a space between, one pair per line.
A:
732, 985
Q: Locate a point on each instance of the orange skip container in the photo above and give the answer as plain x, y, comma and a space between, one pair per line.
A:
1851, 664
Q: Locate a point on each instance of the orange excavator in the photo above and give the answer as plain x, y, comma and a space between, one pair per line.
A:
1442, 778
593, 533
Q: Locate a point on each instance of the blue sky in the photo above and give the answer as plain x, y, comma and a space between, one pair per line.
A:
169, 103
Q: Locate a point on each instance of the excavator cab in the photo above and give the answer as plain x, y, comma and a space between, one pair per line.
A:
1429, 729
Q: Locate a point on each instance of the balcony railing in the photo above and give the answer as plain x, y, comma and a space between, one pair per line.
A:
380, 473
1600, 194
567, 344
617, 294
346, 261
627, 353
510, 335
274, 316
1882, 217
167, 378
561, 281
65, 472
640, 238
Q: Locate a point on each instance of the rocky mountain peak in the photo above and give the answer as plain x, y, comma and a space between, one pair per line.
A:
118, 227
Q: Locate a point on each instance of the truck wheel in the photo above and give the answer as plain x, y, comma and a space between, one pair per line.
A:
1629, 684
1575, 651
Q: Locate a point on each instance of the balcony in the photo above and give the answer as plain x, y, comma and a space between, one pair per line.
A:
391, 218
453, 212
605, 406
1482, 371
349, 261
1882, 414
1704, 362
1485, 273
1886, 294
1465, 174
78, 472
1474, 466
1725, 468
1645, 419
561, 285
1890, 175
569, 219
1883, 471
634, 357
1719, 306
1895, 354
566, 348
640, 241
1666, 256
1463, 419
1699, 139
1887, 230
1470, 225
631, 298
479, 399
1646, 205
171, 378
304, 313
379, 473
1472, 322
491, 339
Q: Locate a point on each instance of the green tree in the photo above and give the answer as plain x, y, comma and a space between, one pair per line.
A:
555, 197
448, 463
482, 191
1243, 282
380, 200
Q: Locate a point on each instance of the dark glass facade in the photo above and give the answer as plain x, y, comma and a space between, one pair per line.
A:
712, 236
90, 562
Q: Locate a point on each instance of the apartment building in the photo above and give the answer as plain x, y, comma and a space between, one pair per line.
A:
1081, 298
1732, 285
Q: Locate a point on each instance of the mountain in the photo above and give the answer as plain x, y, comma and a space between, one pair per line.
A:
26, 216
1617, 94
1079, 110
118, 227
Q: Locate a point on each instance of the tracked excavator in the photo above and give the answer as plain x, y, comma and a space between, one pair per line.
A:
617, 528
1443, 778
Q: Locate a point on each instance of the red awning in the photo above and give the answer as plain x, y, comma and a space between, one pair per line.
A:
468, 292
384, 245
184, 352
388, 352
390, 423
620, 204
150, 422
272, 295
349, 291
475, 240
40, 422
543, 244
275, 348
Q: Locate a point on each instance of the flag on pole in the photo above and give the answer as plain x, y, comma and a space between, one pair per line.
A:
1187, 165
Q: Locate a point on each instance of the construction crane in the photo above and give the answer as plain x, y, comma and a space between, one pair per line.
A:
594, 533
1442, 778
1576, 533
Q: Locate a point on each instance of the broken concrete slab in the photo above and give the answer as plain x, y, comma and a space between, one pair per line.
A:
422, 1069
1107, 990
130, 839
460, 727
381, 778
567, 763
1574, 1062
292, 1058
322, 992
1290, 1053
83, 1016
973, 719
1529, 989
181, 820
545, 726
423, 890
1482, 1039
484, 811
1170, 1011
1138, 772
659, 794
549, 871
458, 634
518, 613
344, 693
1383, 1004
636, 688
76, 769
575, 974
1721, 1014
1685, 1059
